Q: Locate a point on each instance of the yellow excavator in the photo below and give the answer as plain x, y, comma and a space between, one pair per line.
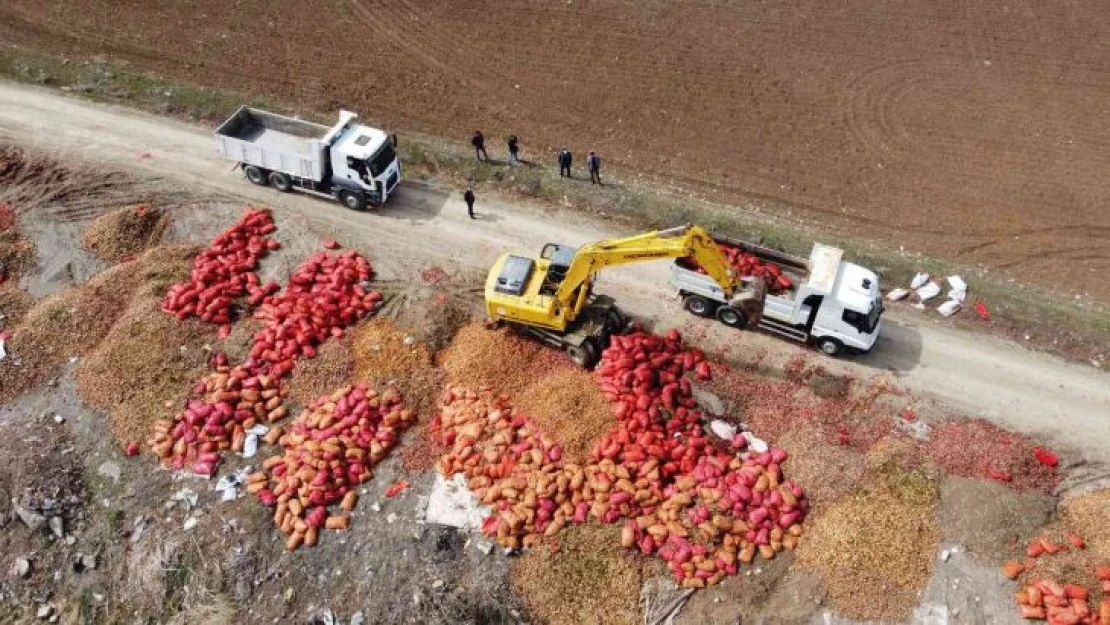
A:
552, 298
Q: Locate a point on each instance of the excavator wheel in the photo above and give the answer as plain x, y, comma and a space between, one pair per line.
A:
584, 355
731, 317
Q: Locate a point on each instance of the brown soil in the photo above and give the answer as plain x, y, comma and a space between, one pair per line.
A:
1087, 515
501, 359
971, 132
125, 232
74, 321
387, 354
993, 522
568, 406
589, 580
144, 368
825, 469
332, 368
874, 548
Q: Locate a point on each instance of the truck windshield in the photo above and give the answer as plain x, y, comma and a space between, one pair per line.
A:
381, 159
866, 324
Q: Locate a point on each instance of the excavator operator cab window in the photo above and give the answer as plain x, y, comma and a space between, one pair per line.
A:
559, 259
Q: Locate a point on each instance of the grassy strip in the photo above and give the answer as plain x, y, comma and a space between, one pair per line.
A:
1057, 323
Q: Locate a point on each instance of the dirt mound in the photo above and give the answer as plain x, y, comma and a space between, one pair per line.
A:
146, 361
499, 359
827, 470
381, 350
875, 547
1088, 514
14, 304
72, 322
385, 353
332, 368
569, 407
989, 519
588, 579
125, 232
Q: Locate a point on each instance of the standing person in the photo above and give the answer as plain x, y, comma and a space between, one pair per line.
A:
514, 150
479, 143
468, 197
565, 159
593, 163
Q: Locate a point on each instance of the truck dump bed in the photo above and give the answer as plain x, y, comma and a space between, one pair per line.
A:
274, 142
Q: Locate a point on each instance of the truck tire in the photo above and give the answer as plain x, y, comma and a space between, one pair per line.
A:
353, 200
584, 355
281, 182
698, 305
732, 318
257, 175
829, 346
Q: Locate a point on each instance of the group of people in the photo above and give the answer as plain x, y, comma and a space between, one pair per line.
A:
479, 143
593, 165
565, 159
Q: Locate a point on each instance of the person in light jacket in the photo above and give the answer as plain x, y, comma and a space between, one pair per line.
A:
593, 163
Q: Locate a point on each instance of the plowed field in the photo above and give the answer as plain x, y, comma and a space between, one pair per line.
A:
974, 130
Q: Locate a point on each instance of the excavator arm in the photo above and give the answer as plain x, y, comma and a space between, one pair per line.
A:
689, 240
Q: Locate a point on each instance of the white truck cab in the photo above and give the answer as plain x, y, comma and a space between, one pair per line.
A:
835, 305
350, 162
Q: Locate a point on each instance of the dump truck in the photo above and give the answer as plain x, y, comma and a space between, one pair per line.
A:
833, 305
552, 298
349, 162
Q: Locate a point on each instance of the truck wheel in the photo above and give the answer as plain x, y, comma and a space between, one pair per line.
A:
257, 175
829, 346
281, 182
698, 305
584, 355
732, 318
352, 200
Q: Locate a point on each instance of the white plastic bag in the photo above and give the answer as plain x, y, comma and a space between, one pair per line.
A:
957, 283
919, 280
928, 291
949, 308
897, 295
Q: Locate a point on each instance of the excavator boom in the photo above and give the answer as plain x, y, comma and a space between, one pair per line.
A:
689, 240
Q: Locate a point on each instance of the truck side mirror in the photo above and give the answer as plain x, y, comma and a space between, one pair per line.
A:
393, 138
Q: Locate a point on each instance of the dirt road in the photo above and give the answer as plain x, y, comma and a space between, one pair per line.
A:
425, 226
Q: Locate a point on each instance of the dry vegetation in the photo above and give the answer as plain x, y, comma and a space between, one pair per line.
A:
590, 579
14, 304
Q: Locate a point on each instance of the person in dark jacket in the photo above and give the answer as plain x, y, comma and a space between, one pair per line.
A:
468, 197
514, 150
565, 159
593, 163
479, 143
